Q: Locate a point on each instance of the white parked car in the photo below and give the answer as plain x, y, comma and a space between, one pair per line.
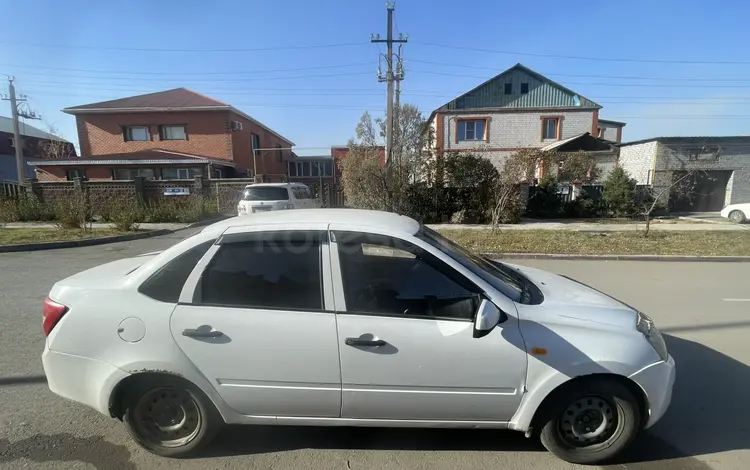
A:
265, 197
336, 317
737, 213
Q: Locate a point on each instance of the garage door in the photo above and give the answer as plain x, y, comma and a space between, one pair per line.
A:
707, 191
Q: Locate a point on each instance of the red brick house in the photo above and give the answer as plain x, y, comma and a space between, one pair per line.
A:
173, 134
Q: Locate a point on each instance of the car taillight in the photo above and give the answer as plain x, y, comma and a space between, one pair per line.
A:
52, 312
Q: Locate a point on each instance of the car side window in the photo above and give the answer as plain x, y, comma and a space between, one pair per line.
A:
280, 270
387, 276
166, 284
296, 193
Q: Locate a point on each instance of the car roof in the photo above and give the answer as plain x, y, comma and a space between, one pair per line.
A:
299, 217
274, 185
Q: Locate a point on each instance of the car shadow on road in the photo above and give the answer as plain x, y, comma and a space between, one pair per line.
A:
707, 416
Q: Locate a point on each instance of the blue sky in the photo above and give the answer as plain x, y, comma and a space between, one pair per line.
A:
262, 57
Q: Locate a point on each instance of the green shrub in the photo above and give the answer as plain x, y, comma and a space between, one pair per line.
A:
545, 203
584, 207
72, 212
30, 208
125, 214
174, 209
619, 193
8, 211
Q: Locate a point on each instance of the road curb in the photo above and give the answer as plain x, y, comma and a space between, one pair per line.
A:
209, 221
560, 256
80, 243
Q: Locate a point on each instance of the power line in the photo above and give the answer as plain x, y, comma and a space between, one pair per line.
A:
213, 80
146, 49
623, 77
598, 59
297, 69
596, 84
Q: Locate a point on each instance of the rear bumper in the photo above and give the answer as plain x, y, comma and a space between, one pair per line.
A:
657, 381
81, 379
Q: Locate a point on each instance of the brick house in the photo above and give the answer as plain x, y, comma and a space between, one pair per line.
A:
174, 133
37, 145
520, 109
722, 164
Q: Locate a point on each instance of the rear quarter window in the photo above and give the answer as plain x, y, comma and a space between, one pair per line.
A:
165, 285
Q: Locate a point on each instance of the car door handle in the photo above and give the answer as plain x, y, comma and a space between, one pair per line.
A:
364, 342
201, 333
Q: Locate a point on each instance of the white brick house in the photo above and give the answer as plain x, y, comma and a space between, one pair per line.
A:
515, 110
724, 164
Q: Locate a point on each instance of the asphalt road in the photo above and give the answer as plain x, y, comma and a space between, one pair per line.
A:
703, 308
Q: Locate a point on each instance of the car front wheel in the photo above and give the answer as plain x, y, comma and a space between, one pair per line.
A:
738, 217
170, 418
593, 423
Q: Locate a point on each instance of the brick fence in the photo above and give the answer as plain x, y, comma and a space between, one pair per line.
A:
223, 194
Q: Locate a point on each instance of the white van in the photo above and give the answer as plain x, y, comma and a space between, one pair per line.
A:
264, 197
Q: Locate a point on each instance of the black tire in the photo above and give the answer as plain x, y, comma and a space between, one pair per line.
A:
148, 401
602, 396
737, 217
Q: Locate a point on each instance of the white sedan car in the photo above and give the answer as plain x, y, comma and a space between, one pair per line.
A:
737, 213
351, 318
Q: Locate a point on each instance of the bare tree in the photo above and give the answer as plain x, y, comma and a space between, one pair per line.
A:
681, 185
56, 147
366, 182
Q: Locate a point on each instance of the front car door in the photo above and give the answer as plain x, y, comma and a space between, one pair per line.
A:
405, 321
255, 317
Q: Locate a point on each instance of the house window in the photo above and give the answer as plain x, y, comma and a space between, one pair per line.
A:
137, 133
255, 141
524, 88
550, 128
471, 130
173, 132
328, 169
74, 173
279, 153
508, 88
180, 173
132, 173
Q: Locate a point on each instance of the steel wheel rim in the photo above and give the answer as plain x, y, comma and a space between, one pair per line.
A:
735, 216
589, 421
168, 417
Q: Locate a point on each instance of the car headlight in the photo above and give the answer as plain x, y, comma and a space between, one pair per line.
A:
645, 325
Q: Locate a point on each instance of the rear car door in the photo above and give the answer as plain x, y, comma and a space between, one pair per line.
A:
255, 317
405, 323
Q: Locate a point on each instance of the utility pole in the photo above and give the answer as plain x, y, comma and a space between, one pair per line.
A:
15, 114
398, 75
389, 77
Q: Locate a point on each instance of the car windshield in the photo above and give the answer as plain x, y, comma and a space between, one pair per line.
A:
504, 278
265, 193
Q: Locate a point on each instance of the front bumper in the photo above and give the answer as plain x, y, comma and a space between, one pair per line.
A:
657, 381
81, 379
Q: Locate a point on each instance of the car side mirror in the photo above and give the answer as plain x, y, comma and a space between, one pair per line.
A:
488, 317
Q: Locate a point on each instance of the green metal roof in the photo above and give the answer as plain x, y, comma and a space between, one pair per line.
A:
542, 93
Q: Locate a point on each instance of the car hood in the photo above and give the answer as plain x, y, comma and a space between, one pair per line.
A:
573, 299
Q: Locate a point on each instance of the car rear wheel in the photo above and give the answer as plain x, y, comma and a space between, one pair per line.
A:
737, 217
593, 422
170, 418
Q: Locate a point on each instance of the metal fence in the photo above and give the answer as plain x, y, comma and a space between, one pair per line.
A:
11, 189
